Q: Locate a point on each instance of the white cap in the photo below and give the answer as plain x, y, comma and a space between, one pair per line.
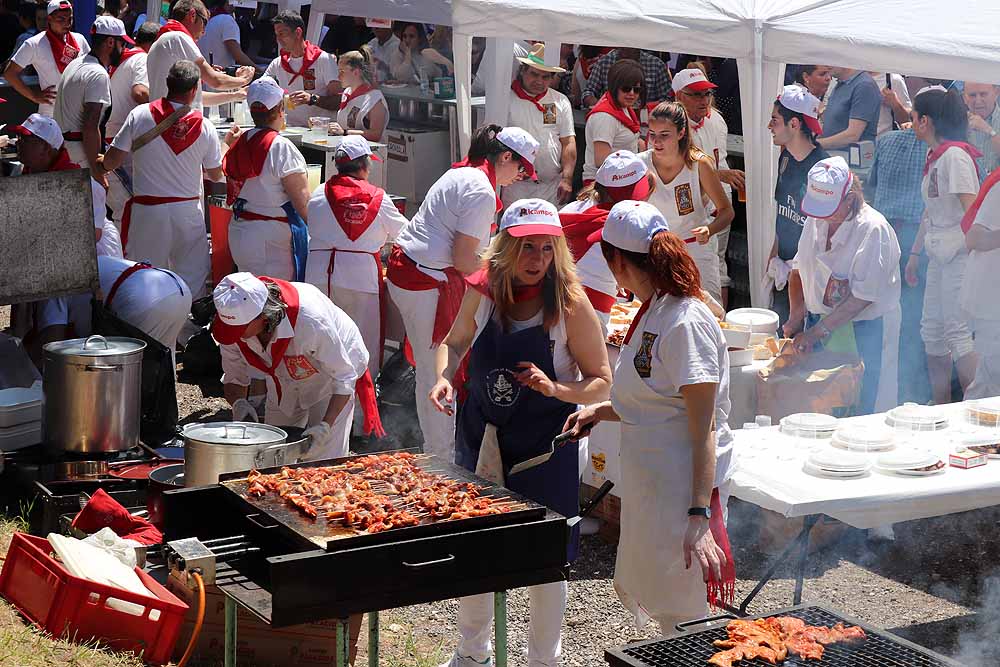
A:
521, 143
623, 173
531, 216
355, 146
796, 98
829, 181
42, 127
56, 5
111, 27
632, 224
239, 298
692, 78
266, 91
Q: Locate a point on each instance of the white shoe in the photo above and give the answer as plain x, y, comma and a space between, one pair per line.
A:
465, 661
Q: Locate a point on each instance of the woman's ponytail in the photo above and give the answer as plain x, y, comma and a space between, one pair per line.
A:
485, 145
947, 111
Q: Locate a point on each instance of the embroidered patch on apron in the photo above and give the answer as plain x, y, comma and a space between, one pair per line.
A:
549, 114
309, 79
643, 360
299, 367
683, 198
502, 387
352, 117
932, 184
837, 289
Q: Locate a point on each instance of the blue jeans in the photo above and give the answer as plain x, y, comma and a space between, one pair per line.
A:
914, 384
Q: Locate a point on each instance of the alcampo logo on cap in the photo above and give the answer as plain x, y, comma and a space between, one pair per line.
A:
821, 190
534, 211
622, 177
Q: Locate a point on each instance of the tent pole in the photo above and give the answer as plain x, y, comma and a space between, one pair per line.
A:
462, 46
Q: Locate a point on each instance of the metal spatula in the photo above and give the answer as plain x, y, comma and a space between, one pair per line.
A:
557, 441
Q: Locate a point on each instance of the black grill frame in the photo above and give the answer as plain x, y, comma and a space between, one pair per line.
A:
693, 649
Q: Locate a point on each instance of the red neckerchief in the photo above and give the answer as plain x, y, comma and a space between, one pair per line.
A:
970, 215
480, 281
577, 227
933, 155
721, 592
173, 26
245, 160
627, 117
635, 320
64, 48
525, 95
700, 124
346, 98
290, 296
61, 163
184, 132
311, 55
355, 203
485, 167
126, 54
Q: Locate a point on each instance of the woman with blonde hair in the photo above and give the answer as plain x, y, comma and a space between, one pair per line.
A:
363, 109
537, 352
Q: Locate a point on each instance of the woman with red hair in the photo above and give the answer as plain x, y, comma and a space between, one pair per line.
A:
670, 391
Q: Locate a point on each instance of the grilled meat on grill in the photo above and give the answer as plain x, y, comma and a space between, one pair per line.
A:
772, 639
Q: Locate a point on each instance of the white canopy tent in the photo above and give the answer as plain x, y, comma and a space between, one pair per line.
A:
926, 37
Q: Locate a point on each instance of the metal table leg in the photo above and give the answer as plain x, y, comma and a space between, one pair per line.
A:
343, 642
801, 541
500, 627
230, 642
373, 639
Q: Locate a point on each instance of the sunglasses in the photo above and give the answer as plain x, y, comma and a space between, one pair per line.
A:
631, 89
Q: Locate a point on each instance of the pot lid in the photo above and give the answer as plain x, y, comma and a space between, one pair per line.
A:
235, 433
862, 437
809, 425
95, 346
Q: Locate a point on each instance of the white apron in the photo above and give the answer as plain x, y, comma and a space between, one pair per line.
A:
352, 116
656, 465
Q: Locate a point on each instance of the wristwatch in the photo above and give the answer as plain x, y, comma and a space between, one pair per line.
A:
700, 511
313, 99
825, 329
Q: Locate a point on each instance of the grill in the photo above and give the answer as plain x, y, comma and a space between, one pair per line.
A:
291, 570
693, 649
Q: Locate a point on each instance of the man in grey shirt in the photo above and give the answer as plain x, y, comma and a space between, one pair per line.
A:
852, 111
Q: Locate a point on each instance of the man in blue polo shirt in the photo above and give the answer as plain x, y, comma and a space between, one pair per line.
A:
852, 111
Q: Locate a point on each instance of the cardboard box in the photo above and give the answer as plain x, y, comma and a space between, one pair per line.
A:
966, 458
862, 154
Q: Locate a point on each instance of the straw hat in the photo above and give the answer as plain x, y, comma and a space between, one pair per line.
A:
536, 59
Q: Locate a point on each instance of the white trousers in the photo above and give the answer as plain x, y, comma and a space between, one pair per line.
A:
987, 381
117, 194
944, 325
722, 239
706, 257
417, 309
336, 445
172, 236
262, 247
547, 608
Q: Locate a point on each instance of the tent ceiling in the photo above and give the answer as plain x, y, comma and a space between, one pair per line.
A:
437, 12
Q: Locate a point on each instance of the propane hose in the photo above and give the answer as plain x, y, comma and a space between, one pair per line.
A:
199, 619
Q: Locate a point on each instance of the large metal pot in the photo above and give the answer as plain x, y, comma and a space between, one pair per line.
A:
163, 478
219, 447
91, 392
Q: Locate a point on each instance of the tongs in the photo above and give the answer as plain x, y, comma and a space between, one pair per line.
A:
557, 442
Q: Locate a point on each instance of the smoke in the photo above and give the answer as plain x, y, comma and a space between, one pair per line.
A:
977, 646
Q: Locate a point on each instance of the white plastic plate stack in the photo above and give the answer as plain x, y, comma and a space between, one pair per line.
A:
837, 464
864, 438
760, 320
982, 440
910, 462
915, 417
813, 425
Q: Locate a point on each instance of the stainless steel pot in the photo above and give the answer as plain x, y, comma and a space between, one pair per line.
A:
91, 393
216, 448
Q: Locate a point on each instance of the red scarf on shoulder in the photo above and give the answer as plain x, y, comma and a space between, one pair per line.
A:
933, 155
126, 54
627, 117
173, 26
311, 55
579, 228
245, 160
61, 163
290, 296
64, 48
970, 215
525, 95
355, 203
345, 99
184, 132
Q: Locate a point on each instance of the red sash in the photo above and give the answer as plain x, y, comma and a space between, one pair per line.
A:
245, 160
355, 204
144, 200
61, 163
404, 273
346, 98
627, 117
722, 592
480, 281
126, 54
635, 320
579, 228
970, 215
601, 302
525, 95
311, 55
933, 155
64, 48
382, 295
138, 266
184, 132
173, 26
290, 296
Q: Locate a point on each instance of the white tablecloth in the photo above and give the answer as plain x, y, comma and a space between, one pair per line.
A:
743, 393
769, 474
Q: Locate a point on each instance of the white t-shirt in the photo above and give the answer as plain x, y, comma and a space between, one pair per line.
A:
981, 268
37, 52
221, 28
350, 269
325, 71
547, 127
382, 54
711, 137
463, 201
156, 170
865, 252
952, 174
592, 268
265, 194
131, 73
166, 50
352, 117
885, 116
84, 81
604, 127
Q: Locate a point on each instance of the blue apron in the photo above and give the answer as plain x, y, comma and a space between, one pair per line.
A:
526, 421
300, 236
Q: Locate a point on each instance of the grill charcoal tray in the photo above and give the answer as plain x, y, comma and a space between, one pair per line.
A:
693, 649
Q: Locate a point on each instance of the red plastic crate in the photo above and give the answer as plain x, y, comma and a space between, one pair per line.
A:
74, 608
